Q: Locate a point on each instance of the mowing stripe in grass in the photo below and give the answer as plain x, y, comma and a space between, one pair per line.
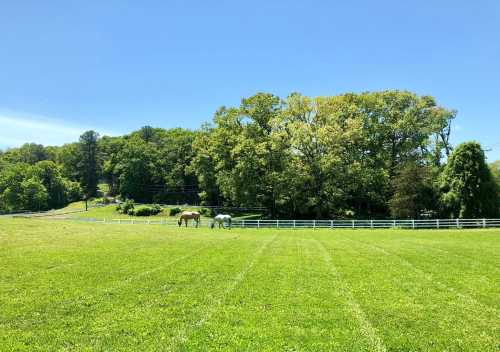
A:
285, 303
467, 299
366, 327
184, 334
412, 313
475, 260
466, 276
90, 293
152, 316
104, 321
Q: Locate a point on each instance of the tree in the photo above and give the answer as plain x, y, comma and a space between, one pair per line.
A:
495, 171
69, 157
29, 153
413, 191
147, 133
35, 195
467, 186
35, 187
11, 191
137, 170
88, 166
202, 166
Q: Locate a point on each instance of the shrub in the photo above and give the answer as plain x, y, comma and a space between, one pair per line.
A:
107, 200
207, 212
125, 207
174, 211
145, 210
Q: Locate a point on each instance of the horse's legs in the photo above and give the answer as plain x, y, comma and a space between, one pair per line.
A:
186, 221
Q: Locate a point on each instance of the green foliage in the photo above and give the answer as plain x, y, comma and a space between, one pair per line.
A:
413, 191
207, 212
495, 171
125, 207
88, 164
468, 189
301, 157
34, 193
144, 210
35, 187
29, 153
74, 191
317, 157
174, 211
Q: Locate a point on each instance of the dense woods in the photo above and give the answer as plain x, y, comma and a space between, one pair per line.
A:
371, 155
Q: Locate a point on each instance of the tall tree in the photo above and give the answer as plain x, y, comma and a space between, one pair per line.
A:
88, 166
413, 191
467, 185
495, 170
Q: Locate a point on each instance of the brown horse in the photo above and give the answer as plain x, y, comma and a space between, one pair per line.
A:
186, 215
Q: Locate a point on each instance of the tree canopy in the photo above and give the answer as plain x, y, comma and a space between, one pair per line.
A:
373, 154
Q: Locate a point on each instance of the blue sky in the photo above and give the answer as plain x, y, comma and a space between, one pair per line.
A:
115, 66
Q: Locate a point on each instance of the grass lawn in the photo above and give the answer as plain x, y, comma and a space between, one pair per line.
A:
77, 286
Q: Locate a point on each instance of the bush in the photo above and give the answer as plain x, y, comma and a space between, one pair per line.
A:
145, 210
73, 191
207, 212
174, 211
126, 207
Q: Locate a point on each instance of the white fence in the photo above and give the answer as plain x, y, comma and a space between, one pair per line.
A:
328, 224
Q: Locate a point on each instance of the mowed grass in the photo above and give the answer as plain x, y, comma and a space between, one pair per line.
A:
77, 286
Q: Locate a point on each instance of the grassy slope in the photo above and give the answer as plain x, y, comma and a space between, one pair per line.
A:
109, 212
90, 286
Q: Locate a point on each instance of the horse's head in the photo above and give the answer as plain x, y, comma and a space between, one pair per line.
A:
179, 222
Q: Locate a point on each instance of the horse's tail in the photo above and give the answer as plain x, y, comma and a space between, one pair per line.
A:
230, 221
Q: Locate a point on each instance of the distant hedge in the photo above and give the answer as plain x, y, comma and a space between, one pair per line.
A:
174, 211
128, 207
144, 210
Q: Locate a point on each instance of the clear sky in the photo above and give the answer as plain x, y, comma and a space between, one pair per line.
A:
114, 66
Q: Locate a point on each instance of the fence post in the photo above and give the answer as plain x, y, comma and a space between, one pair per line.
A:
119, 221
458, 223
277, 223
331, 224
352, 223
258, 224
484, 223
371, 224
437, 223
413, 224
394, 223
243, 223
293, 223
314, 224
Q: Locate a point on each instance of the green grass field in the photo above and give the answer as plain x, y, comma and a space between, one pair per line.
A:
78, 286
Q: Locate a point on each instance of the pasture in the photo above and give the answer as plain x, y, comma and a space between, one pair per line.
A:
77, 286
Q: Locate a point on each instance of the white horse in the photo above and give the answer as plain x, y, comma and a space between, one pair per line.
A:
223, 220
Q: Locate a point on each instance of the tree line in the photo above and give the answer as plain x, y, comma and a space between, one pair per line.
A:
369, 155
